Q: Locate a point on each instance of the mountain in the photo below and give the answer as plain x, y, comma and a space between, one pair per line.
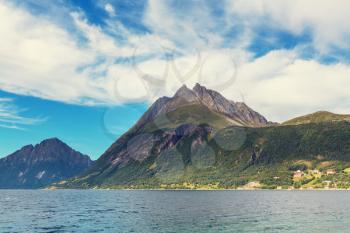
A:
194, 113
189, 106
39, 165
199, 139
318, 117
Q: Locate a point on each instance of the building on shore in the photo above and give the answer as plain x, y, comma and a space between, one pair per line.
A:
316, 172
298, 174
331, 172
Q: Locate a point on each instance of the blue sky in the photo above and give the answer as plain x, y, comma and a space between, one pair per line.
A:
91, 130
84, 71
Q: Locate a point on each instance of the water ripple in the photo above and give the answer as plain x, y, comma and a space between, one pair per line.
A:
173, 211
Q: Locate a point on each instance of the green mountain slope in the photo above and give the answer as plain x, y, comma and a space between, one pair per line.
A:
233, 157
318, 117
198, 139
190, 114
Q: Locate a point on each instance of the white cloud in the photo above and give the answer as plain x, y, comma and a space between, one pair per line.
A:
40, 58
326, 20
280, 85
110, 9
11, 116
190, 27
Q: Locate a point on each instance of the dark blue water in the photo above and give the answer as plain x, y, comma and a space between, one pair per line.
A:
174, 211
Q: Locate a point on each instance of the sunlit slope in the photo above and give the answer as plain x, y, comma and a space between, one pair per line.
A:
231, 157
318, 117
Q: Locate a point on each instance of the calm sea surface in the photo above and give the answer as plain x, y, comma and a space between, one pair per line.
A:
174, 211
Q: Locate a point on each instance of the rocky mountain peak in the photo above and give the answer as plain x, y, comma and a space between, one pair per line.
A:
27, 148
197, 87
185, 93
52, 140
237, 113
52, 143
36, 166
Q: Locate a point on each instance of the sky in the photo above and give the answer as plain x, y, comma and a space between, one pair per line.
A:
85, 70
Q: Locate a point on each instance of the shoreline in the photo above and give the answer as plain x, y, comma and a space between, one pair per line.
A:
160, 189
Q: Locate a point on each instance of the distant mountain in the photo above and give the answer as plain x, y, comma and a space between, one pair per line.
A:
318, 117
39, 165
199, 139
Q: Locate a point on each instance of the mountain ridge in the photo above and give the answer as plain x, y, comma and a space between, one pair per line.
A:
317, 117
35, 166
198, 138
239, 113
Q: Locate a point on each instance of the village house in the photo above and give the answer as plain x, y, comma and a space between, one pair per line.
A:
316, 172
298, 174
252, 185
331, 172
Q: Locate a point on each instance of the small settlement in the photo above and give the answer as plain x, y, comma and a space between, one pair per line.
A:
299, 174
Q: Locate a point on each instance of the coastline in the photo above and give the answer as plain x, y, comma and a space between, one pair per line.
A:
162, 189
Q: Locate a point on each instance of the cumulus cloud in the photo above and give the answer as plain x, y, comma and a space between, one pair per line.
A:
280, 85
87, 65
190, 26
42, 59
39, 58
326, 20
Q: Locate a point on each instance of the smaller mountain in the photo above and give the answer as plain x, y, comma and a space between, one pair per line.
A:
318, 117
37, 166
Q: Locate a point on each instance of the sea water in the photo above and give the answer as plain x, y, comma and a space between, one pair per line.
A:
174, 211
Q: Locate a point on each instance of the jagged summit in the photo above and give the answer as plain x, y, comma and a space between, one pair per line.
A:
199, 88
50, 146
185, 94
52, 140
238, 113
183, 90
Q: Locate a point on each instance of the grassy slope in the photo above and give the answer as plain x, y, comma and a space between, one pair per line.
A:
225, 161
191, 114
318, 117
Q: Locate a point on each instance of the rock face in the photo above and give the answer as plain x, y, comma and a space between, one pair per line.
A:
236, 110
39, 165
195, 105
237, 113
